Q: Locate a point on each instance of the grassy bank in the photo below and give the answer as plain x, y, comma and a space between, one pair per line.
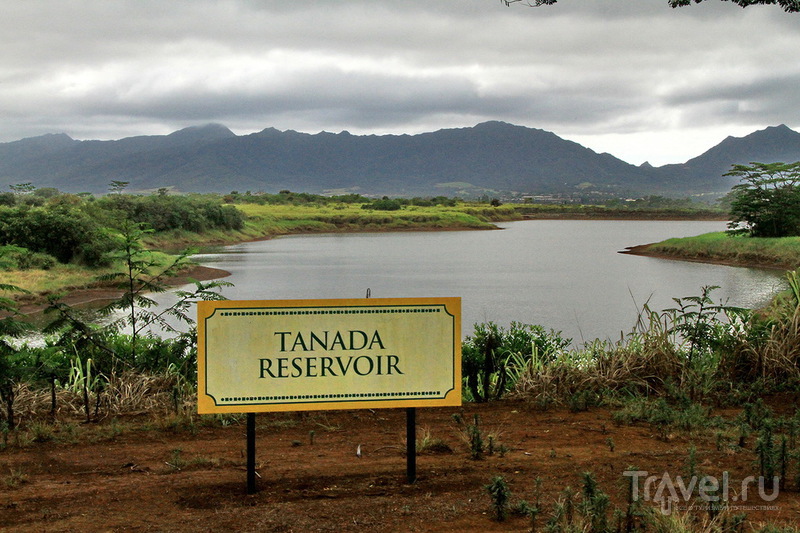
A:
265, 221
719, 247
270, 220
600, 212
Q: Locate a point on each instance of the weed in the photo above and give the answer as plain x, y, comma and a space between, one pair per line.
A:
472, 435
176, 462
281, 423
595, 504
323, 422
427, 443
582, 400
41, 432
15, 478
610, 444
756, 414
767, 455
501, 497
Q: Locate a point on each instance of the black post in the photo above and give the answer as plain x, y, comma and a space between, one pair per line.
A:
411, 444
251, 453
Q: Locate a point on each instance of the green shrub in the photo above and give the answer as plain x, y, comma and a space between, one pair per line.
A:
64, 232
18, 258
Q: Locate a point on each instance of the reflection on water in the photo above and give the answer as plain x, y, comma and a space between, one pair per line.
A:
562, 274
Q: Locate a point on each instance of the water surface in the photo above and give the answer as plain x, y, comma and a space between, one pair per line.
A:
562, 274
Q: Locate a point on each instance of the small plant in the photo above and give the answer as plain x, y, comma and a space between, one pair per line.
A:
15, 478
595, 504
41, 432
768, 456
472, 434
756, 414
501, 497
427, 443
610, 444
177, 462
582, 400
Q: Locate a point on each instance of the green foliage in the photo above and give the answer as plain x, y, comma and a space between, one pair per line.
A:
80, 238
595, 504
494, 358
501, 498
663, 417
384, 204
781, 252
13, 364
767, 202
472, 434
17, 258
197, 213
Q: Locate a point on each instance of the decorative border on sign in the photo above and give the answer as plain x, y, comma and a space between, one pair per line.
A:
394, 308
329, 312
356, 396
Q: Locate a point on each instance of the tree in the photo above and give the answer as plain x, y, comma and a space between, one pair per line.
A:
22, 188
767, 202
12, 366
790, 6
142, 274
117, 186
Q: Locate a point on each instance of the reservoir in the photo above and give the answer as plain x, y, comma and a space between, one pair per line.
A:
567, 275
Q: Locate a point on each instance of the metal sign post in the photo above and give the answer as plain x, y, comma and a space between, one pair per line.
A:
411, 444
251, 453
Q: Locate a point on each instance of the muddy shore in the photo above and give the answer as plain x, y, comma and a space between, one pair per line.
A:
83, 296
645, 250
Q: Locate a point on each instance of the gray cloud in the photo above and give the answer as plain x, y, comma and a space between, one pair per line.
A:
613, 74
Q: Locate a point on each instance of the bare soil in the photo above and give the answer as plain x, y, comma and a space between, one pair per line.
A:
646, 250
98, 292
140, 475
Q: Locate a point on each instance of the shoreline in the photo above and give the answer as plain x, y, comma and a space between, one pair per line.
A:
89, 295
644, 251
79, 296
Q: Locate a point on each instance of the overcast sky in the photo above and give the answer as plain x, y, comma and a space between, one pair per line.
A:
634, 78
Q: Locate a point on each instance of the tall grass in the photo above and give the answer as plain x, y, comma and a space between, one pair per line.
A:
738, 356
283, 219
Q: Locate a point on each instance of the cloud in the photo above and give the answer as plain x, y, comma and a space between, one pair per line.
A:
605, 72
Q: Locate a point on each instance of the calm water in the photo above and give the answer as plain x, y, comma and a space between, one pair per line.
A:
565, 275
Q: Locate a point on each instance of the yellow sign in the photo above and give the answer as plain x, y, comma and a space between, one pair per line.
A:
302, 355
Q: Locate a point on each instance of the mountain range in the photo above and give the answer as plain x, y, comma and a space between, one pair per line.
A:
489, 157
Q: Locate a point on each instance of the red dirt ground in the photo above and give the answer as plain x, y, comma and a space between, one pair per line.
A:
139, 475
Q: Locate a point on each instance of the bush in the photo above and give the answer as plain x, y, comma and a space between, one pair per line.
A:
194, 213
64, 232
17, 258
384, 204
493, 359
